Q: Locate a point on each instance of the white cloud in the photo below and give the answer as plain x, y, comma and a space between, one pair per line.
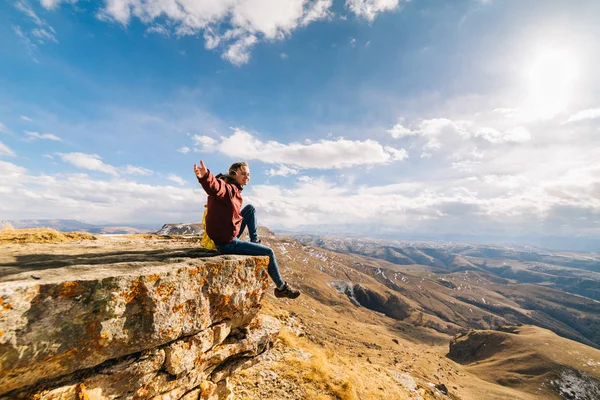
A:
8, 169
206, 143
369, 9
282, 170
398, 131
6, 151
50, 4
353, 42
442, 133
158, 29
283, 55
42, 33
591, 113
3, 128
511, 204
317, 11
26, 118
444, 127
26, 9
91, 162
325, 154
177, 179
239, 52
30, 47
397, 154
236, 25
184, 150
517, 135
248, 21
83, 197
44, 136
490, 134
132, 170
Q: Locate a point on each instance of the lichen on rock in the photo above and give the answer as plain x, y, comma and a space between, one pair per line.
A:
133, 331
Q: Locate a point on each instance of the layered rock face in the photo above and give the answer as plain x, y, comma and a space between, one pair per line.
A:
133, 330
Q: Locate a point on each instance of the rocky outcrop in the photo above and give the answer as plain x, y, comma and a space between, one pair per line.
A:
180, 229
133, 330
390, 304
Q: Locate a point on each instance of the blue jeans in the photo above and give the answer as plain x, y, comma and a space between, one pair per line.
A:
240, 247
249, 219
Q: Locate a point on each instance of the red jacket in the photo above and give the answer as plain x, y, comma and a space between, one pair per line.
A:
223, 219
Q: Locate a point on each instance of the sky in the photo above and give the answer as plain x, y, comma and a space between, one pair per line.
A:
443, 117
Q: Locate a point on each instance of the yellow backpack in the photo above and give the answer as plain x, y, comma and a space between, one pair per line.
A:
206, 242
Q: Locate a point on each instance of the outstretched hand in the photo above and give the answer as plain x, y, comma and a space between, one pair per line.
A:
201, 170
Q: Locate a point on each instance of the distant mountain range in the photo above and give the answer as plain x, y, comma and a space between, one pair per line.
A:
547, 241
73, 225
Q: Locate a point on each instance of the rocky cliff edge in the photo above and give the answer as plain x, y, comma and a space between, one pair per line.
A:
133, 330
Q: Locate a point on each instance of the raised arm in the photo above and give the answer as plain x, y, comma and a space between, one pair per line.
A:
201, 170
210, 184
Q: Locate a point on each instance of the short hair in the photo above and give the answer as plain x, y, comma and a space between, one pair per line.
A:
235, 167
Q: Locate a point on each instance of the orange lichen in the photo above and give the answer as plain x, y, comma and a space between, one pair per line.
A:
177, 307
164, 291
226, 299
134, 292
69, 289
153, 278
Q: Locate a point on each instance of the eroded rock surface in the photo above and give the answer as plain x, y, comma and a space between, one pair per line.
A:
174, 330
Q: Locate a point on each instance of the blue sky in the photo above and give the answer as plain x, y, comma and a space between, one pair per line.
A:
468, 116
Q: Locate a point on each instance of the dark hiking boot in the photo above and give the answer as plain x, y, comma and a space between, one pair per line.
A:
287, 291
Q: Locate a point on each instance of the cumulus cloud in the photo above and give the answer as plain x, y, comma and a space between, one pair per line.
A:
132, 170
513, 204
80, 196
177, 179
43, 136
159, 30
6, 151
369, 9
591, 113
26, 118
517, 135
282, 170
239, 52
531, 201
184, 150
397, 154
438, 133
234, 25
325, 154
205, 143
10, 169
398, 131
91, 162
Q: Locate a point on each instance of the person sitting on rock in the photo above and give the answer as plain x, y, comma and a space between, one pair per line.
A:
226, 220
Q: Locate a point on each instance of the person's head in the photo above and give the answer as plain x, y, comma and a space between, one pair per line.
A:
240, 173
